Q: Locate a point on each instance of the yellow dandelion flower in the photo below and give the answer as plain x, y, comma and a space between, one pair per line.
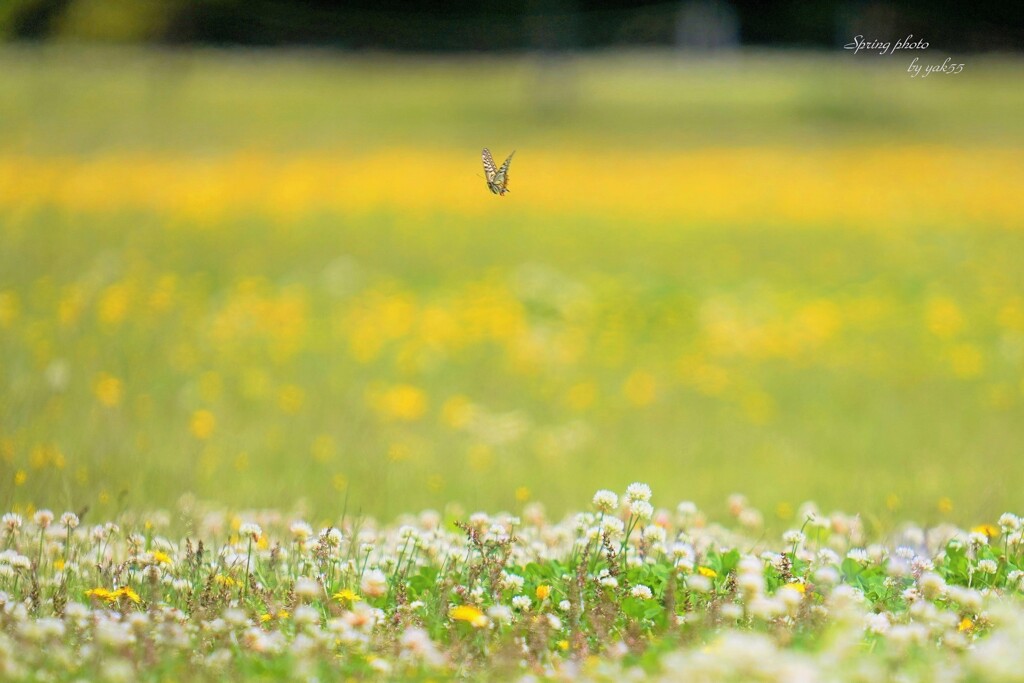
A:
457, 411
640, 388
266, 617
990, 530
543, 592
127, 592
101, 593
222, 580
965, 625
161, 557
323, 448
202, 424
290, 399
469, 614
346, 595
20, 477
522, 494
402, 402
563, 645
58, 564
107, 389
707, 571
797, 586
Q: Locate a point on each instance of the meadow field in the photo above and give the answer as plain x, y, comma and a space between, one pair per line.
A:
243, 288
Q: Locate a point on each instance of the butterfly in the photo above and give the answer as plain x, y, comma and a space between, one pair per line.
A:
497, 178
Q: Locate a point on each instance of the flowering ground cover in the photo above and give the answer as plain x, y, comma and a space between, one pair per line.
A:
243, 290
625, 590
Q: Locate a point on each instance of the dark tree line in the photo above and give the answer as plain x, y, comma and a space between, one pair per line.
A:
507, 25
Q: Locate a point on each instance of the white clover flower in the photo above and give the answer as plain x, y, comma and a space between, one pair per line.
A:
642, 592
11, 522
877, 623
686, 508
858, 555
750, 584
641, 508
897, 567
730, 611
764, 608
750, 518
1009, 522
654, 534
512, 582
522, 602
250, 530
638, 491
988, 566
374, 583
609, 582
612, 527
500, 614
300, 530
416, 643
605, 501
307, 588
306, 615
921, 564
69, 520
978, 538
564, 605
793, 537
43, 518
932, 585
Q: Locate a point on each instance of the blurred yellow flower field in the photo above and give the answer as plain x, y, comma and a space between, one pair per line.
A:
874, 187
364, 324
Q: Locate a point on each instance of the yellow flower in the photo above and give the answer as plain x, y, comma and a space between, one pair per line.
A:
161, 557
107, 389
101, 593
20, 477
113, 596
222, 580
990, 530
543, 592
202, 424
965, 625
290, 399
469, 614
707, 571
797, 586
402, 402
127, 592
640, 388
563, 645
346, 595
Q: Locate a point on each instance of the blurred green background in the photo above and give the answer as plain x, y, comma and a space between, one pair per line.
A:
264, 277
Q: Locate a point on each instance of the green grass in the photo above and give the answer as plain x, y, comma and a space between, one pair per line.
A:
872, 414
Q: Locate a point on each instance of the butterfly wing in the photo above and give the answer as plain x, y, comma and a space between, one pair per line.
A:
490, 170
502, 176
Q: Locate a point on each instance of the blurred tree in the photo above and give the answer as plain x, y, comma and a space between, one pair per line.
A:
489, 25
